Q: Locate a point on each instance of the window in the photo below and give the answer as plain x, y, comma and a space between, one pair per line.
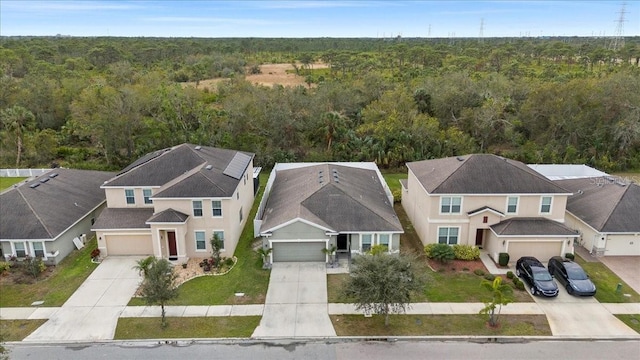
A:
383, 239
240, 214
545, 205
197, 208
365, 240
512, 204
216, 206
128, 194
450, 204
220, 235
448, 235
20, 249
38, 249
146, 193
201, 241
485, 219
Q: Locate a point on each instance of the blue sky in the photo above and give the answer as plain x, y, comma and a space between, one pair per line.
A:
316, 18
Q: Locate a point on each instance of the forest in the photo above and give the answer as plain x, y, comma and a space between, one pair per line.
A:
102, 102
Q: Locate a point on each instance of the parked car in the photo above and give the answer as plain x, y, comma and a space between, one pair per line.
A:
536, 276
571, 275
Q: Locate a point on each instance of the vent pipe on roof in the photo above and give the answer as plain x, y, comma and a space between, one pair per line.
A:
198, 147
460, 158
209, 167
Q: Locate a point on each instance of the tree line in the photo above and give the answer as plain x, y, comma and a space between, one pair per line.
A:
103, 102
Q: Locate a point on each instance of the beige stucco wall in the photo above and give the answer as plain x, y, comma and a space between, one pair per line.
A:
116, 198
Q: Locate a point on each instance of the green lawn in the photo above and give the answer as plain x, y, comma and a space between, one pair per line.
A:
247, 276
5, 182
17, 330
606, 282
430, 325
58, 287
632, 321
187, 327
393, 180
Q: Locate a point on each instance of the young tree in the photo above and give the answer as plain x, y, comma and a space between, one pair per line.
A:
264, 254
216, 246
159, 284
17, 120
500, 295
383, 283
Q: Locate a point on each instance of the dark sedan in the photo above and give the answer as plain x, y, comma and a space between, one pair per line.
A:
537, 276
571, 275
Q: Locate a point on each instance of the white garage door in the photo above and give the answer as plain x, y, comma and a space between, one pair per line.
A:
129, 245
623, 246
543, 251
298, 251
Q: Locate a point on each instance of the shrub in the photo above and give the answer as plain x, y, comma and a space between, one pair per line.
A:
466, 252
442, 253
489, 276
569, 256
228, 262
510, 275
95, 253
478, 272
518, 283
34, 267
428, 250
4, 267
503, 259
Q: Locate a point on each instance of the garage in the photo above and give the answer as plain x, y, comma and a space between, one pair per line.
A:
298, 251
621, 245
541, 250
129, 245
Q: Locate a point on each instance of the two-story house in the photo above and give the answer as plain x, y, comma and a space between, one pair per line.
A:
171, 202
486, 200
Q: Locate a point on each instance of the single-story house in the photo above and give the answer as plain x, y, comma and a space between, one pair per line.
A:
41, 217
308, 207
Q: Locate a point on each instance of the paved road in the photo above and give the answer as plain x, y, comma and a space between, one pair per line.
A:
339, 349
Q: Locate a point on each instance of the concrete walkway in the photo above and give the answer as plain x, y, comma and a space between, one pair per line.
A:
92, 312
296, 303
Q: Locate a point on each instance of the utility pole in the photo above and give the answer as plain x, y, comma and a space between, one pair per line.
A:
618, 38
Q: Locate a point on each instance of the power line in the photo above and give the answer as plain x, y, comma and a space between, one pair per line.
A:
618, 38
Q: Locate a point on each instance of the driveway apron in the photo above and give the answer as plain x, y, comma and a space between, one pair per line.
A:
296, 302
626, 267
92, 312
570, 315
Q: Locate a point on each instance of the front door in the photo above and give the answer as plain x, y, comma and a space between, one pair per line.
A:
479, 233
173, 248
343, 242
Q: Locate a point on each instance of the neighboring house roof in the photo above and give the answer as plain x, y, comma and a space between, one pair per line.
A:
566, 171
186, 171
481, 174
168, 216
45, 207
607, 204
123, 218
531, 227
337, 197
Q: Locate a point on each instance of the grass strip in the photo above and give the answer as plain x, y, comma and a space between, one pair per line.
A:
186, 327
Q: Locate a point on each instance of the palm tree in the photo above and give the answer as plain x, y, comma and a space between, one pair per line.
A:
17, 119
500, 295
143, 265
330, 251
264, 254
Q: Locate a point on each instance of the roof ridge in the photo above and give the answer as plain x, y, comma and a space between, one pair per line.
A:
46, 228
464, 162
532, 172
617, 203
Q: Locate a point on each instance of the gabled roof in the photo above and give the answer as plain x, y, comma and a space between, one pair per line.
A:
186, 171
45, 207
607, 204
481, 174
483, 209
123, 218
338, 197
168, 216
531, 227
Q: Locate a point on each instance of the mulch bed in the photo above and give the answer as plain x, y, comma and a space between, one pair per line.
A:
16, 275
456, 266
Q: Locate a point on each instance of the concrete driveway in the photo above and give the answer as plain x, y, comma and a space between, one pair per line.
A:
92, 312
296, 303
626, 267
570, 315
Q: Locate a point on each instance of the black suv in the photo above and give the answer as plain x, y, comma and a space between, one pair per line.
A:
571, 275
537, 276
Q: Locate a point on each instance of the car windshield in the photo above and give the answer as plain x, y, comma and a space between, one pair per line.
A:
575, 273
541, 275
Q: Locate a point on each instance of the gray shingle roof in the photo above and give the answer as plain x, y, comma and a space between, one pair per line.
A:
607, 204
123, 218
356, 201
45, 211
168, 216
481, 174
531, 226
186, 171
